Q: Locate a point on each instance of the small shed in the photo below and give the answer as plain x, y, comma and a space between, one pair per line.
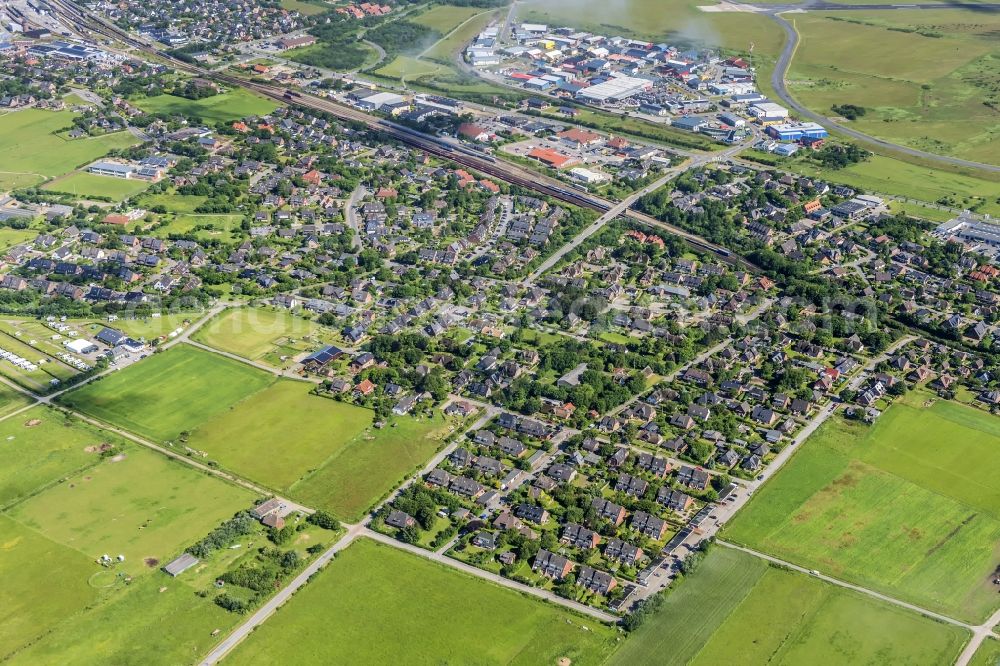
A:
181, 564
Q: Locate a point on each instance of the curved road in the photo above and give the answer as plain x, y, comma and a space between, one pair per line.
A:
785, 59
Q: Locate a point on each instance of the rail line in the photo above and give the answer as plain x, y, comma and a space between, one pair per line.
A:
486, 164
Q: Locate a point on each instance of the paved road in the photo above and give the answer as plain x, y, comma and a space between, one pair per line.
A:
979, 634
778, 83
351, 214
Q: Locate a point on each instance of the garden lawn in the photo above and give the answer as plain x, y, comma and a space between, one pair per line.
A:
225, 107
369, 465
253, 332
169, 393
30, 151
85, 185
38, 455
143, 505
121, 631
908, 507
435, 615
43, 583
280, 434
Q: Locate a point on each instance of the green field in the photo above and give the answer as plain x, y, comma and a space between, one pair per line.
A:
737, 609
368, 466
43, 584
988, 654
923, 183
909, 506
147, 328
255, 332
228, 106
435, 614
11, 237
143, 505
119, 631
30, 150
86, 185
280, 434
170, 392
49, 449
404, 67
304, 8
940, 98
174, 203
445, 18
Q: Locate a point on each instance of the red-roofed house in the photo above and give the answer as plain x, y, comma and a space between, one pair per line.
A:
474, 132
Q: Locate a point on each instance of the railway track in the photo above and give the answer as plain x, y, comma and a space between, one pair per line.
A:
505, 171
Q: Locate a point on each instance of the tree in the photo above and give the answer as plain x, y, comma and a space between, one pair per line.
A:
409, 534
324, 519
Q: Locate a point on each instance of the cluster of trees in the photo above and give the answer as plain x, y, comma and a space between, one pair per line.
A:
239, 525
339, 47
262, 576
840, 156
402, 37
849, 111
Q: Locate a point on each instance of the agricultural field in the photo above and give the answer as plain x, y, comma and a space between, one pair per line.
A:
896, 507
328, 621
10, 237
737, 609
445, 18
940, 98
366, 467
304, 8
139, 503
923, 183
225, 107
262, 334
148, 328
31, 151
169, 393
280, 434
408, 67
41, 446
85, 185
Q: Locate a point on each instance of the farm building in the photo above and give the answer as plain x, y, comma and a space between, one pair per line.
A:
180, 564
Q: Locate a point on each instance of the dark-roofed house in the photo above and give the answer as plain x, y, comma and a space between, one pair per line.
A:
579, 536
551, 565
631, 485
399, 519
318, 360
622, 551
595, 580
465, 486
649, 525
674, 500
530, 512
693, 477
609, 511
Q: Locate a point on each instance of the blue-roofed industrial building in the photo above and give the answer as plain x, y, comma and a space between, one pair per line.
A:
797, 131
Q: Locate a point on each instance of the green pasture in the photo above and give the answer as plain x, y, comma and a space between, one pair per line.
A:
445, 18
988, 653
254, 332
169, 393
435, 615
85, 185
224, 107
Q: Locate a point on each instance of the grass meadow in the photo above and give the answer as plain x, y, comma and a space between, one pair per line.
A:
31, 151
908, 507
738, 609
435, 615
366, 467
445, 18
144, 506
280, 434
935, 99
86, 185
169, 393
988, 653
254, 333
225, 107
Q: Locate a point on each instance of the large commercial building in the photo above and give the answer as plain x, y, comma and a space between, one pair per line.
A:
797, 131
614, 90
970, 230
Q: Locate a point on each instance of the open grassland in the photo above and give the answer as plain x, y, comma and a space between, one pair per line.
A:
121, 631
84, 185
40, 447
693, 612
30, 150
214, 226
369, 465
147, 328
737, 609
988, 653
225, 107
923, 183
436, 614
280, 434
11, 400
660, 20
942, 97
304, 8
408, 67
908, 506
255, 332
169, 393
11, 237
43, 583
139, 504
445, 18
174, 203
